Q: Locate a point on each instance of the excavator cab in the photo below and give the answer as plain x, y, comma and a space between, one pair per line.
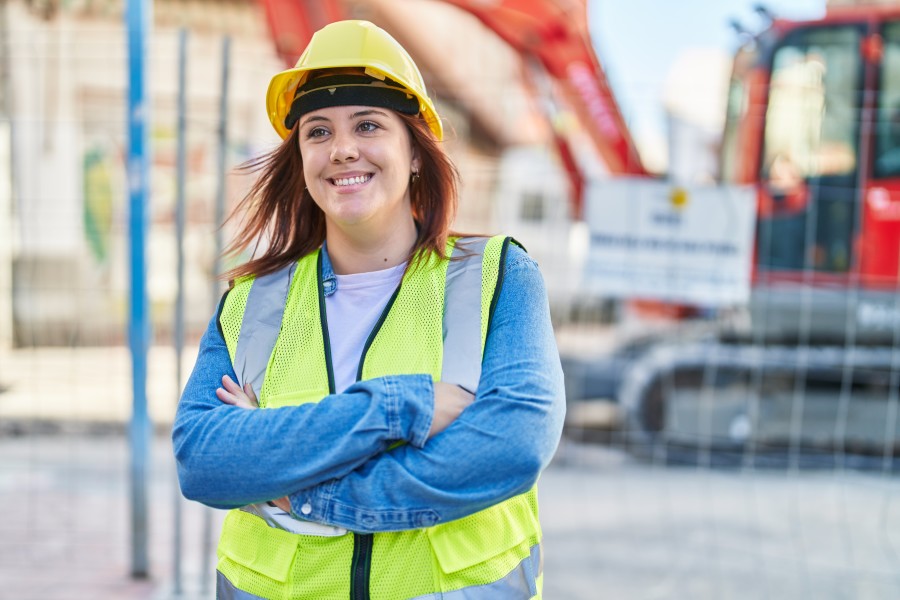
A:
809, 123
808, 171
813, 116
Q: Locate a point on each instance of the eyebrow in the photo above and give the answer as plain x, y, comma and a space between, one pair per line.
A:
361, 113
313, 118
364, 113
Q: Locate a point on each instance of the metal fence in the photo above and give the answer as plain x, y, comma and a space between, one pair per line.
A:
688, 476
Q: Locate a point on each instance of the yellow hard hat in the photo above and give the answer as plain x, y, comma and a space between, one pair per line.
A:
348, 44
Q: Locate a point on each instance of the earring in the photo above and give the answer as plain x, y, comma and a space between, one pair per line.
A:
415, 176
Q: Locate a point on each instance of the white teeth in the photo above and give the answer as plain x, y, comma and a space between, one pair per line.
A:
352, 180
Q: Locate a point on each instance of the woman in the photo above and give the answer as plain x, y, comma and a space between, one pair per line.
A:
415, 376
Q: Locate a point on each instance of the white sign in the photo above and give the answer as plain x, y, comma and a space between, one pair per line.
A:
650, 239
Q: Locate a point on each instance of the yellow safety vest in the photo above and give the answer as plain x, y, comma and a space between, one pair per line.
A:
494, 554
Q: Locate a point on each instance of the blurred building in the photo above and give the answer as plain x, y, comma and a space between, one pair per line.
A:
64, 265
66, 81
694, 100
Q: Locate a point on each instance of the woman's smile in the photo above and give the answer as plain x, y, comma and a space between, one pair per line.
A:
351, 181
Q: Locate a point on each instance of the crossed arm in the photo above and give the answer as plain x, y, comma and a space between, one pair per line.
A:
334, 460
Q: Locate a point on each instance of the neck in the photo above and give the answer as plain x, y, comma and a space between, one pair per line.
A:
362, 252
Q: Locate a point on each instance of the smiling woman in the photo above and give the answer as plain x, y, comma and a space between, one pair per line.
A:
415, 375
358, 163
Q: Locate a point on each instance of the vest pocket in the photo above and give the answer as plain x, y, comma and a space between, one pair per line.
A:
295, 398
248, 541
486, 534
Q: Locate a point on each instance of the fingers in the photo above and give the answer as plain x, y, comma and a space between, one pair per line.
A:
225, 397
231, 393
230, 386
251, 395
283, 503
226, 392
449, 402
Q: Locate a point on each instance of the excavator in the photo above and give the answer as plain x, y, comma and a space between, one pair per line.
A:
812, 361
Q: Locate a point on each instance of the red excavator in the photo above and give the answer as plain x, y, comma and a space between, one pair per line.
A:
813, 123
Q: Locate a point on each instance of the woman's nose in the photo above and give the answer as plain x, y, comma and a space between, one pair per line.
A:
343, 148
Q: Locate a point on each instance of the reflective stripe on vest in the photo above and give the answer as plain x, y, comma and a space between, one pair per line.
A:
519, 583
462, 316
225, 590
262, 322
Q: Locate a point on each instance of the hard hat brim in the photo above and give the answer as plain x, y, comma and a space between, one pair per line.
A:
282, 87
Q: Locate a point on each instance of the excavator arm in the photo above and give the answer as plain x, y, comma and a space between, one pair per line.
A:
293, 23
555, 33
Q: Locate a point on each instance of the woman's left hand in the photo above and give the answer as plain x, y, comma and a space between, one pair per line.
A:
231, 393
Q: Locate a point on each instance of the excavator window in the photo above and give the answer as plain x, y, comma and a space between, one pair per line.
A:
813, 112
810, 149
887, 128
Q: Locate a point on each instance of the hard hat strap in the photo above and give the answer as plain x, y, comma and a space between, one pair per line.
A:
350, 90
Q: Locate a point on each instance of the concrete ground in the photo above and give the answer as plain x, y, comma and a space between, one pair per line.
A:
614, 527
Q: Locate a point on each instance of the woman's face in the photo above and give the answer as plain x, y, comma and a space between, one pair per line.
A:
357, 162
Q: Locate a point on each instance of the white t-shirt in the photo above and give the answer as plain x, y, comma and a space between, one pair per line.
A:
352, 311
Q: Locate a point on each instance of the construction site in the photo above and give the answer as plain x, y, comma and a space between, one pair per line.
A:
724, 289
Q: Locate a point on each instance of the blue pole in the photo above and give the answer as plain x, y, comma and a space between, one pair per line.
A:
138, 22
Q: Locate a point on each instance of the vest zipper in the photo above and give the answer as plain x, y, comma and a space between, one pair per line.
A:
361, 565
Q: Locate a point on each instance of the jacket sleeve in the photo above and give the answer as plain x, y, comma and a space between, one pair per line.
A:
229, 457
495, 449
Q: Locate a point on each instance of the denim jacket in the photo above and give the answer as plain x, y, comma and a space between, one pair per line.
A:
337, 459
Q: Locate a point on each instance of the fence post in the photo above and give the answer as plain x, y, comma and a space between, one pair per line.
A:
138, 22
178, 329
219, 216
6, 188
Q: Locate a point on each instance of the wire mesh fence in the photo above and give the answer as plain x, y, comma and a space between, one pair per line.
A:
691, 466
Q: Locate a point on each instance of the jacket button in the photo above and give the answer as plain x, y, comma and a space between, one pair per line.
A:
306, 508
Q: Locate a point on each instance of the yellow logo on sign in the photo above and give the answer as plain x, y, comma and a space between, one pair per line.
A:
678, 197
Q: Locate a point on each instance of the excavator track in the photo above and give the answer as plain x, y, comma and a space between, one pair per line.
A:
721, 402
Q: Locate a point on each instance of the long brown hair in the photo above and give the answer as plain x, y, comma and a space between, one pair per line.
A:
278, 206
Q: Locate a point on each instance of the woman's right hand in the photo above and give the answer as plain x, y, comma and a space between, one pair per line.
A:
449, 402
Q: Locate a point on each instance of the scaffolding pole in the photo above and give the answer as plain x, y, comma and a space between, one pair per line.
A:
178, 338
6, 189
138, 23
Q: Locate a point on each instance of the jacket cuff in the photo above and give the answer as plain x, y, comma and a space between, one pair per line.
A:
410, 406
312, 504
318, 505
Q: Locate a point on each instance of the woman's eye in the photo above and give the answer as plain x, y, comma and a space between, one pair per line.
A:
368, 126
316, 132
